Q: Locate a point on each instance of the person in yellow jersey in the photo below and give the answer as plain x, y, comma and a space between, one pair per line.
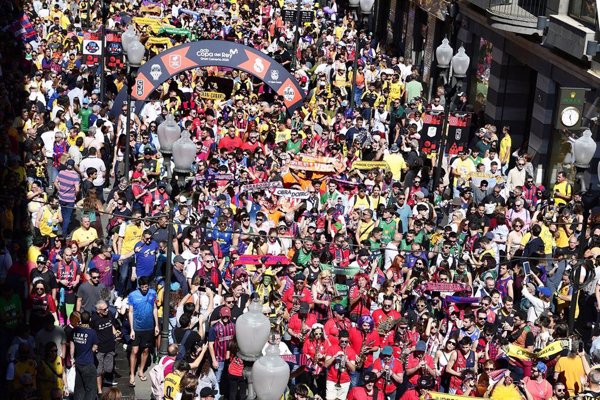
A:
173, 380
505, 146
48, 219
563, 191
460, 169
129, 234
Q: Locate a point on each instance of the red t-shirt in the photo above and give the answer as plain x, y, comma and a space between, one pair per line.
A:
362, 306
332, 329
370, 340
332, 371
288, 297
410, 394
379, 316
295, 324
360, 393
40, 305
412, 362
395, 367
230, 143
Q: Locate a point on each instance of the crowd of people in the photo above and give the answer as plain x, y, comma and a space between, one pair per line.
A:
380, 281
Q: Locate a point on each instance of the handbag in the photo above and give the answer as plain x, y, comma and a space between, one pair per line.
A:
70, 383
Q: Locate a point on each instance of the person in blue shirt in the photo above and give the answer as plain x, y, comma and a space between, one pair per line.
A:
143, 319
146, 253
85, 344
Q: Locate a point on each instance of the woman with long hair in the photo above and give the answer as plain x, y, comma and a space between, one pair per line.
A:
513, 241
360, 301
323, 292
442, 356
92, 207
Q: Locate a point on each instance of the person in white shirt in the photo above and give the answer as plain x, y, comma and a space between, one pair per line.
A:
538, 304
93, 161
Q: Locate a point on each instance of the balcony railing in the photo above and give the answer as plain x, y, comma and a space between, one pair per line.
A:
520, 16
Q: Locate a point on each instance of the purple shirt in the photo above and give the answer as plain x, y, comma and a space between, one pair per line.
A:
68, 180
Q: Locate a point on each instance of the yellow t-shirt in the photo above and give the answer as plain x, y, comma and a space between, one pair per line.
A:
505, 145
565, 189
171, 386
396, 163
573, 372
133, 234
81, 235
464, 167
47, 225
362, 204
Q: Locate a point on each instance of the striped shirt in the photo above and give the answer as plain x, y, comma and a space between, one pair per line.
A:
221, 335
68, 181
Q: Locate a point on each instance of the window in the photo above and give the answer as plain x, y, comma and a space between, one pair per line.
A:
583, 10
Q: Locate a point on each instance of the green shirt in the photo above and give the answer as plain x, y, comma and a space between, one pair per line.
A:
389, 229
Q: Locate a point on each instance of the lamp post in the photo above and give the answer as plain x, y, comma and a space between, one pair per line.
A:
134, 54
173, 140
168, 133
458, 66
583, 149
366, 9
268, 374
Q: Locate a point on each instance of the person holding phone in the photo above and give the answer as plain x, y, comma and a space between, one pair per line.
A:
539, 303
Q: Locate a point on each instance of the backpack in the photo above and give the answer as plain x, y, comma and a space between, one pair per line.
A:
181, 353
157, 377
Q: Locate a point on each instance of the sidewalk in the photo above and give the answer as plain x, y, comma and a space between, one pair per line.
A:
141, 391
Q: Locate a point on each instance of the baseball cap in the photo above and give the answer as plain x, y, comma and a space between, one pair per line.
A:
208, 392
225, 312
299, 277
394, 148
304, 308
338, 308
387, 351
42, 259
544, 291
70, 162
541, 367
148, 151
369, 377
85, 102
421, 346
179, 259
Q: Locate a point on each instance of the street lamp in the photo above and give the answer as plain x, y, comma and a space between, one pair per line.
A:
270, 375
251, 332
134, 52
460, 63
460, 66
172, 140
443, 54
366, 9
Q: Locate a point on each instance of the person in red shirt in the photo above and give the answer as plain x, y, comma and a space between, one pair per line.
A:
385, 313
364, 338
360, 302
230, 142
340, 360
389, 371
368, 391
253, 143
337, 324
419, 364
299, 327
297, 294
314, 351
39, 305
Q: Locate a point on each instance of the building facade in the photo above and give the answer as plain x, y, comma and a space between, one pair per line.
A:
525, 57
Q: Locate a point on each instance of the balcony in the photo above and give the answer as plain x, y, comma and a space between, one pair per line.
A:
519, 16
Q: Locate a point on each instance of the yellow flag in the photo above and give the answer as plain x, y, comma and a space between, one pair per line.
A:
512, 350
445, 396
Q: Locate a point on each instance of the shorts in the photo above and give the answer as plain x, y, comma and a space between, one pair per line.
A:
106, 362
144, 339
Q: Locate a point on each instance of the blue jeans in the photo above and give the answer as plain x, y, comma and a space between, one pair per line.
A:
219, 374
123, 285
66, 209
